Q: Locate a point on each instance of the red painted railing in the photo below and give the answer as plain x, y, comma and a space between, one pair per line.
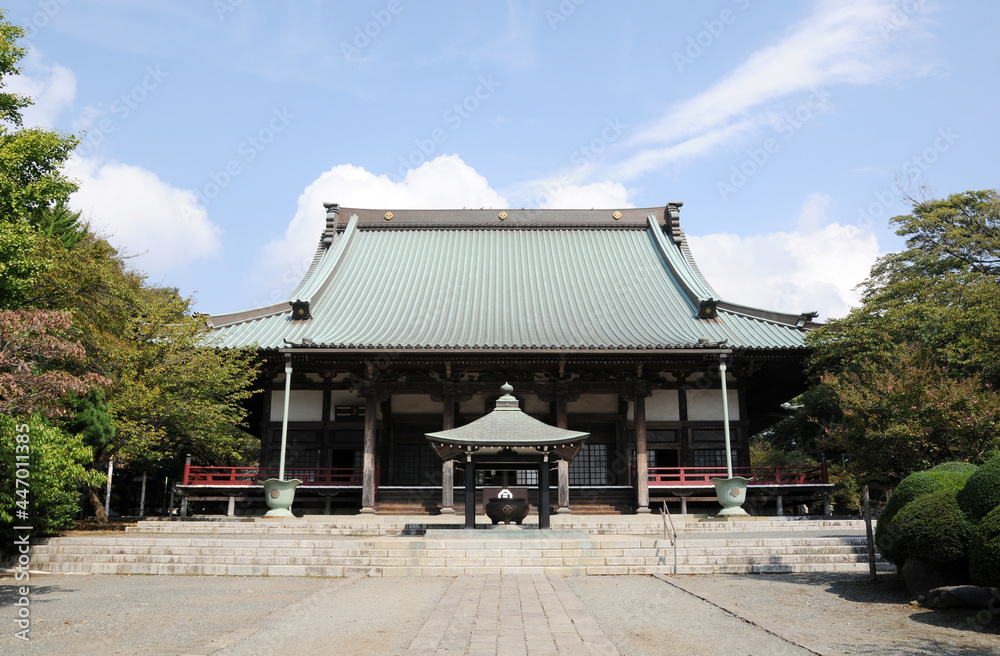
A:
254, 475
693, 476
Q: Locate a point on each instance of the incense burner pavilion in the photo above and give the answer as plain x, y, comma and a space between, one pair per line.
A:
408, 322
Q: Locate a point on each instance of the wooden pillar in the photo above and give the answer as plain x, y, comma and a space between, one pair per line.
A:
368, 473
543, 494
470, 492
641, 462
562, 421
448, 466
142, 497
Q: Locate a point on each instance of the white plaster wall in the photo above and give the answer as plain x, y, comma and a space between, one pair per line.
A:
343, 397
474, 406
303, 405
530, 403
594, 404
706, 405
415, 404
663, 405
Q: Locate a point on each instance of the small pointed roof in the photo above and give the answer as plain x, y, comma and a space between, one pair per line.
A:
507, 430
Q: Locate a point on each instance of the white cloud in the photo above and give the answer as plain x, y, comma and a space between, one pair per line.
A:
594, 195
856, 42
812, 269
161, 224
442, 183
51, 86
813, 214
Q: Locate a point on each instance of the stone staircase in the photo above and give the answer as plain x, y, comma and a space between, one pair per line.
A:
259, 548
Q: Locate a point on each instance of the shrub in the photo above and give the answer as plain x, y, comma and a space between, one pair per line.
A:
962, 470
946, 475
984, 551
931, 528
982, 491
55, 471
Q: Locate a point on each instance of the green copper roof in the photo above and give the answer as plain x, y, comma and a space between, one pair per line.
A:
507, 430
536, 279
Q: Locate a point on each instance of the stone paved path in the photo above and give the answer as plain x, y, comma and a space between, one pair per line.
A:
519, 615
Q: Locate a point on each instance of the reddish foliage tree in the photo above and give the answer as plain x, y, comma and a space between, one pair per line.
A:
33, 357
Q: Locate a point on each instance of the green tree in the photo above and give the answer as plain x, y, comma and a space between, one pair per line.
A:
32, 179
56, 468
74, 317
914, 368
170, 393
20, 263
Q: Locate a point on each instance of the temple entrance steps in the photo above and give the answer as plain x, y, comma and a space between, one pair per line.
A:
236, 548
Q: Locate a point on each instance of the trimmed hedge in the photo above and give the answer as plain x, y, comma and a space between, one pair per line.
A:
946, 475
931, 528
981, 493
984, 551
962, 470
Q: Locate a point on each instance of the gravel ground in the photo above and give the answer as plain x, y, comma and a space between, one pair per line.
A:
821, 613
132, 615
849, 614
643, 615
367, 617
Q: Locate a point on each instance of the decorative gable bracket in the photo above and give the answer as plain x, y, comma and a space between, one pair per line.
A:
708, 309
300, 310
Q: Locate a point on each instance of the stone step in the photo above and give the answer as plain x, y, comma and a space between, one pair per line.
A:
417, 524
396, 546
387, 551
341, 571
307, 556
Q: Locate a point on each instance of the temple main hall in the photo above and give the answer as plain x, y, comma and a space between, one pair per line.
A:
408, 322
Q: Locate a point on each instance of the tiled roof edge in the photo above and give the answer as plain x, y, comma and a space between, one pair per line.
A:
220, 320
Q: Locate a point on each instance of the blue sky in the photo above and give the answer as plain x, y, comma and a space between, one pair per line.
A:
213, 131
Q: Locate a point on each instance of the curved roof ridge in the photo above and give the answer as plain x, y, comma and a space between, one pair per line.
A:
680, 239
801, 320
679, 265
319, 275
